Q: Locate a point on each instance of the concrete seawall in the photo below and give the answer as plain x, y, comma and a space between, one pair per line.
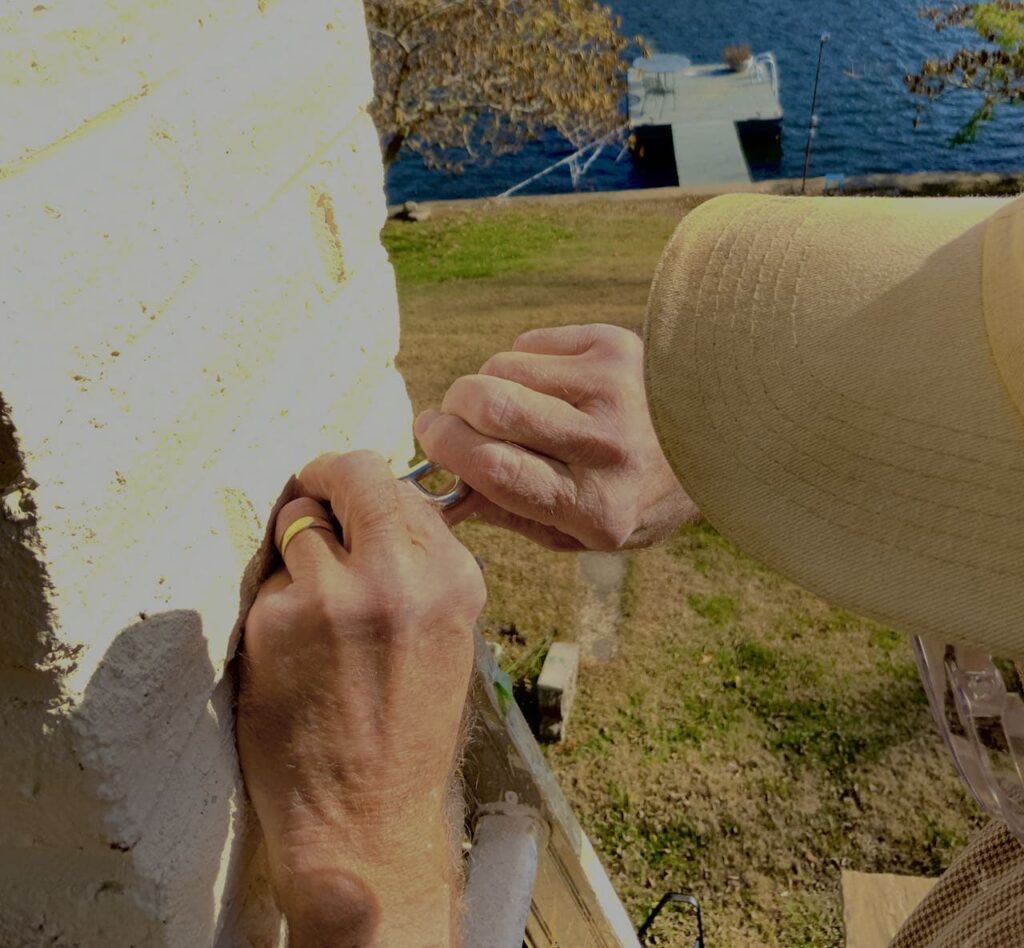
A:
920, 184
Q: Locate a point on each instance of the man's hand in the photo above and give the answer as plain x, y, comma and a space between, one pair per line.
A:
555, 438
354, 679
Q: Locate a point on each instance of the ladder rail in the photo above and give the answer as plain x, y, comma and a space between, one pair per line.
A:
573, 901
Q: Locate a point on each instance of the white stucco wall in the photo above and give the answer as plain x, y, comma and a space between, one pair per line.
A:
193, 302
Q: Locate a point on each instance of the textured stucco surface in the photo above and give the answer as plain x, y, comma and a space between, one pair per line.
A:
194, 302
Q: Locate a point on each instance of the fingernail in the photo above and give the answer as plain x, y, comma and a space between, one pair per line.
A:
424, 421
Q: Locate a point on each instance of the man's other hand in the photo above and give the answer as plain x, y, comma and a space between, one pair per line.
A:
354, 679
557, 442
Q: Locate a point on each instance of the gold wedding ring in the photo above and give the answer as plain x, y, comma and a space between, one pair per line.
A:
303, 523
445, 499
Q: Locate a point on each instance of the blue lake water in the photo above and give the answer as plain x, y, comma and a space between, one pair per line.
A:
866, 116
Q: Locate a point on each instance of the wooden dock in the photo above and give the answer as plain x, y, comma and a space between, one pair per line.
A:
704, 106
709, 153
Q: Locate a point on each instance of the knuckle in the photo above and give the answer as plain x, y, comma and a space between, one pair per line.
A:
341, 464
371, 464
498, 365
611, 515
633, 354
364, 456
602, 446
453, 590
615, 451
274, 621
498, 466
328, 457
339, 468
438, 437
524, 337
319, 607
463, 391
616, 341
612, 533
592, 384
467, 579
499, 410
362, 464
266, 611
261, 626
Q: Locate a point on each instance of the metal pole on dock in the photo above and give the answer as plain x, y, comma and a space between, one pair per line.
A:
812, 125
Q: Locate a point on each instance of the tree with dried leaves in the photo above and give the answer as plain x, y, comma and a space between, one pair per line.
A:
995, 71
468, 79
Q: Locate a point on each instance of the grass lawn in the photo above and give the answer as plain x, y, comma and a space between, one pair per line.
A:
748, 741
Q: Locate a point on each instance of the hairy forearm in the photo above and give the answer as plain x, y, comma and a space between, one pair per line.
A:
408, 894
393, 877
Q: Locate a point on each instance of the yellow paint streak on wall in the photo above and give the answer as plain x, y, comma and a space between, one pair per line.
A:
326, 230
12, 168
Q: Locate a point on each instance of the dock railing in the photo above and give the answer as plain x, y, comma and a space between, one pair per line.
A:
766, 67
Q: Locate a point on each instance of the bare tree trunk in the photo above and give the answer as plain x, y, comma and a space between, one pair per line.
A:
393, 148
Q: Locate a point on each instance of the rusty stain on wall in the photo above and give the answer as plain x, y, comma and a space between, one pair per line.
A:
326, 230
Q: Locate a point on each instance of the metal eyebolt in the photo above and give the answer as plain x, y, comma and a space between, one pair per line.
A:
446, 500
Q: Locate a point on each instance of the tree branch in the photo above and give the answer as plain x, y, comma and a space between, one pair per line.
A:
428, 14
